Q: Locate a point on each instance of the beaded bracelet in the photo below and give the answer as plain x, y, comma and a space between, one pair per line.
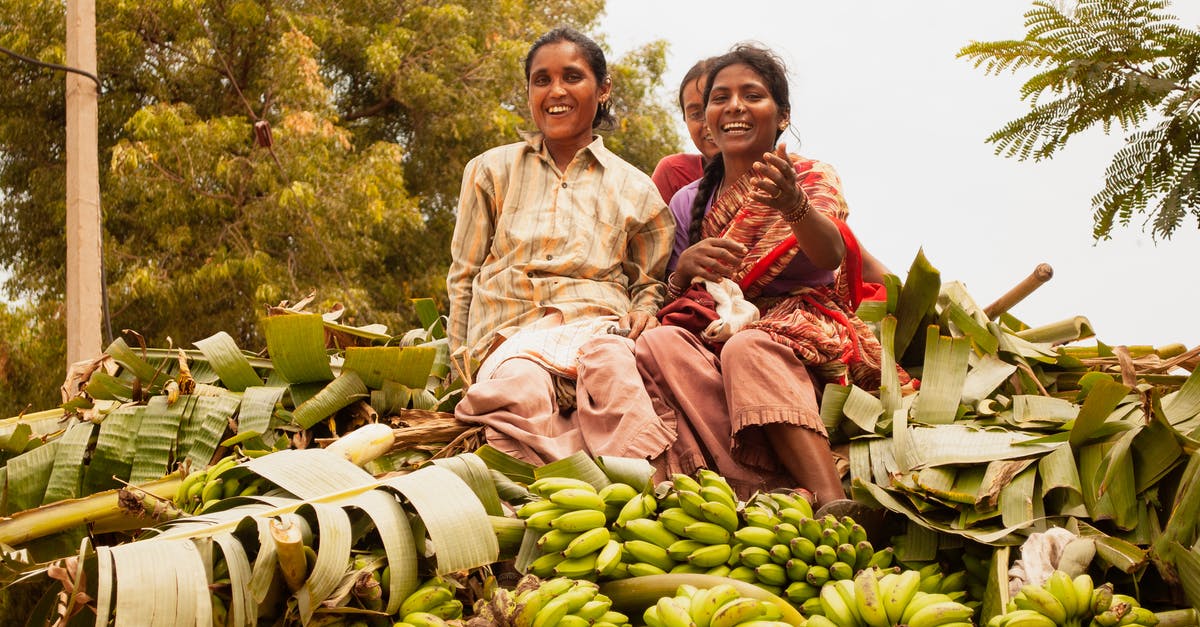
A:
798, 211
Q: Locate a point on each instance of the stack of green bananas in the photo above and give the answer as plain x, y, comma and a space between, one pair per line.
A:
430, 605
690, 536
719, 606
1068, 602
224, 479
371, 575
873, 599
693, 534
935, 579
977, 559
793, 554
566, 603
574, 517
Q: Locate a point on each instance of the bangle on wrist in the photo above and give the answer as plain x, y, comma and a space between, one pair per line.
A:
673, 288
798, 211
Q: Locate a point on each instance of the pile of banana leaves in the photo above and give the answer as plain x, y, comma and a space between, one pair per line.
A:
1006, 430
1009, 431
141, 416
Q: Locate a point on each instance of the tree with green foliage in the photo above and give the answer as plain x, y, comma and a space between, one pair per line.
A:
256, 151
1126, 63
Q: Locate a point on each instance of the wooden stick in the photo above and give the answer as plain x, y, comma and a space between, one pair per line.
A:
1042, 273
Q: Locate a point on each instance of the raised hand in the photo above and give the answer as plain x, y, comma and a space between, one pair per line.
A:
775, 181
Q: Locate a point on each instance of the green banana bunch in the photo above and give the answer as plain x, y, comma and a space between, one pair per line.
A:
876, 599
976, 562
707, 499
935, 579
224, 479
431, 604
369, 572
719, 606
574, 517
1065, 601
565, 602
784, 548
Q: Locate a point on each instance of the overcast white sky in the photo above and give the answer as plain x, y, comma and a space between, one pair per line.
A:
878, 93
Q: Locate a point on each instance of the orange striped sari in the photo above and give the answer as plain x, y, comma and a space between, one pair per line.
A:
817, 322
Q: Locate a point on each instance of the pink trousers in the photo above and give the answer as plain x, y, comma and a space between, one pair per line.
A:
613, 416
720, 404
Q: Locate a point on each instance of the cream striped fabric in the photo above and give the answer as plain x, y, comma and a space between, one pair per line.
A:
531, 240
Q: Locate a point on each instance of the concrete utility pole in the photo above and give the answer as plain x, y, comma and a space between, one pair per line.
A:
84, 282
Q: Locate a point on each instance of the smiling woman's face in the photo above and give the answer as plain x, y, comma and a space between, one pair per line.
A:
741, 114
564, 94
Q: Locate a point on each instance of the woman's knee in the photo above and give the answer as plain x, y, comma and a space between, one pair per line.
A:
661, 338
517, 382
745, 345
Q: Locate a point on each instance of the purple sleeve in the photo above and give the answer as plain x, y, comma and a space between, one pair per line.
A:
681, 208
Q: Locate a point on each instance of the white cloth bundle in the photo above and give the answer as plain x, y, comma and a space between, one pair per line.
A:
733, 309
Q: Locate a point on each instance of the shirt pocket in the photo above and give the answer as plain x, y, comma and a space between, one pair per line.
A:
599, 248
512, 232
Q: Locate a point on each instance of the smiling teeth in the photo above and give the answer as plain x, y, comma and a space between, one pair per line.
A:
735, 126
559, 109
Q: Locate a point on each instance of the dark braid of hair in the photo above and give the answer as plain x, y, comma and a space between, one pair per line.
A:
708, 183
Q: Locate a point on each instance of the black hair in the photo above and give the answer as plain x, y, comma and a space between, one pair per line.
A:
591, 53
693, 76
771, 68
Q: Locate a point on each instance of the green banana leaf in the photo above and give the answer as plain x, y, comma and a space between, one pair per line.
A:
410, 366
431, 319
1101, 401
579, 465
944, 372
296, 344
916, 301
340, 392
964, 324
228, 362
66, 474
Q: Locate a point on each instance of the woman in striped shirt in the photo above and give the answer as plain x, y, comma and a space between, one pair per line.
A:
558, 244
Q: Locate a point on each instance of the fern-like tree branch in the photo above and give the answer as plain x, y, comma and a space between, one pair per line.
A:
1126, 63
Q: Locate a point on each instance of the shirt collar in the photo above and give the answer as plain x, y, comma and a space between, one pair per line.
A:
596, 149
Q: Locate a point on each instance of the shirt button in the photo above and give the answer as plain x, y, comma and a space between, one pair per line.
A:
549, 257
564, 184
529, 274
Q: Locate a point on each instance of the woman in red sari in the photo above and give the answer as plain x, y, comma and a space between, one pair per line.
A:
771, 223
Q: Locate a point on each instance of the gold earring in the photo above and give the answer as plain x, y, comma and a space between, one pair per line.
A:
783, 125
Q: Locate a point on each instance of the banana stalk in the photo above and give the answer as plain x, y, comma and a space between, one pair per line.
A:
101, 508
1178, 618
289, 548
